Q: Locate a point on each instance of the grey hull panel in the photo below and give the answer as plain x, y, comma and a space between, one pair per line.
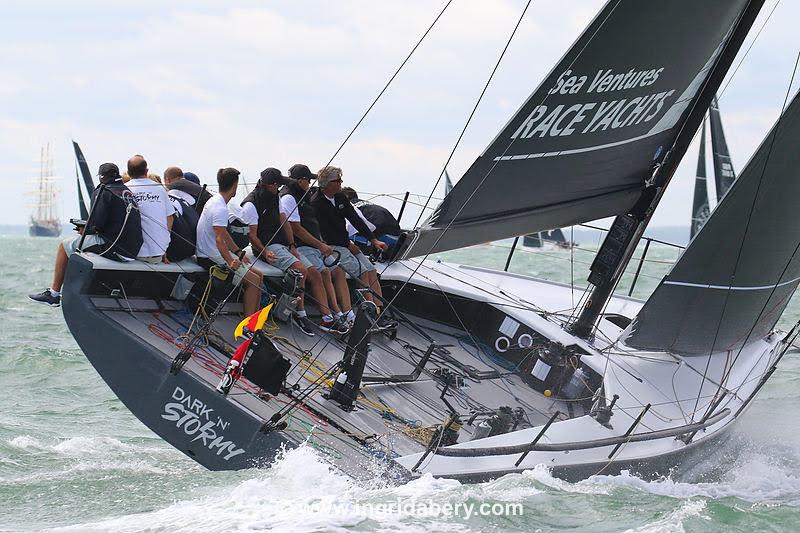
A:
183, 411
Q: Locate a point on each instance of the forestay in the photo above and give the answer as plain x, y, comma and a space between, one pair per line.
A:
734, 280
583, 144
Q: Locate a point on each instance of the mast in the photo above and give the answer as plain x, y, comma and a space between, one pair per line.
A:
626, 231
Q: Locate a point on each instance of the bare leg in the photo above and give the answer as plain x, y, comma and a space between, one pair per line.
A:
300, 267
375, 285
330, 292
252, 291
60, 269
318, 292
342, 290
364, 278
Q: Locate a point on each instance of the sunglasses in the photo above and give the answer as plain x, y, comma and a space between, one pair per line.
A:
336, 181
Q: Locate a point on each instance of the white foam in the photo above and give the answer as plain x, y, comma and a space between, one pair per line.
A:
673, 523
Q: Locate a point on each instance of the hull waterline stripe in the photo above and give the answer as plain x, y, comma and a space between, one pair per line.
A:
730, 287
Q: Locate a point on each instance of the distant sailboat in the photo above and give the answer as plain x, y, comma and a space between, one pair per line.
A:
82, 167
448, 183
724, 175
44, 220
542, 239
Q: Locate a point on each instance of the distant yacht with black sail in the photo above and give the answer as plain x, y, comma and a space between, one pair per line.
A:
724, 175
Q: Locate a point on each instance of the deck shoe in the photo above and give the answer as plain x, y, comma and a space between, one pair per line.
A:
46, 297
305, 325
334, 325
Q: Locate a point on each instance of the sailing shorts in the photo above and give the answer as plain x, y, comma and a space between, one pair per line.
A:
284, 258
313, 258
354, 265
92, 243
238, 274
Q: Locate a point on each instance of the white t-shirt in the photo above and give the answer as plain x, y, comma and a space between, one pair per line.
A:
351, 230
248, 214
289, 208
154, 207
215, 214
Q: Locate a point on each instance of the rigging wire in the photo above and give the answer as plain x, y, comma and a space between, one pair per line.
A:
743, 239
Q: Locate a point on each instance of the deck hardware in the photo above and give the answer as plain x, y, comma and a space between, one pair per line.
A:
539, 436
630, 429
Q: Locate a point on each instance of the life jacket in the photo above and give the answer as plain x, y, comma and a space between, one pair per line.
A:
308, 219
200, 194
269, 217
183, 240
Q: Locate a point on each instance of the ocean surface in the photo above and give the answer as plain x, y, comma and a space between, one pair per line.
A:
72, 458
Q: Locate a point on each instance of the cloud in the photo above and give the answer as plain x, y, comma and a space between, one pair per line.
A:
204, 85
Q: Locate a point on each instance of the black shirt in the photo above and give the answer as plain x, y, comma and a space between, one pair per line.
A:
111, 220
380, 217
332, 216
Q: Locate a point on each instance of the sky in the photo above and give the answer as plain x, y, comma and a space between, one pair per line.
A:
204, 84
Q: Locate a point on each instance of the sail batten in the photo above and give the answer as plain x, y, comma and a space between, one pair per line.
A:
586, 141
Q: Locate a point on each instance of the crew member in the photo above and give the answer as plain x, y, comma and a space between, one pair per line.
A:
155, 208
215, 246
333, 209
296, 205
113, 230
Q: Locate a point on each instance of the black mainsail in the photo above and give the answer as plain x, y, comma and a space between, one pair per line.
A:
586, 141
84, 168
731, 284
724, 175
700, 209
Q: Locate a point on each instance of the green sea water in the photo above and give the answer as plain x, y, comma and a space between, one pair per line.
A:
72, 458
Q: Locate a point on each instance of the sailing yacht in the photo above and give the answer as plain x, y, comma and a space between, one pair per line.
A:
724, 174
45, 221
486, 372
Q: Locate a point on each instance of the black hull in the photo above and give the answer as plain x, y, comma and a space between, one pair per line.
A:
139, 375
37, 230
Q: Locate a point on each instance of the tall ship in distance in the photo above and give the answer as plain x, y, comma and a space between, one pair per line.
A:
45, 221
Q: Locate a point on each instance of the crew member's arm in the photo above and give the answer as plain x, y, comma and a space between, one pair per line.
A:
225, 245
303, 234
255, 242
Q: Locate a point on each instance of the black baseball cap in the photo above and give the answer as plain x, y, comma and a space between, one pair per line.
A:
273, 175
300, 171
108, 171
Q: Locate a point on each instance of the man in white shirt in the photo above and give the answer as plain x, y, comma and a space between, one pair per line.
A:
215, 246
155, 208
